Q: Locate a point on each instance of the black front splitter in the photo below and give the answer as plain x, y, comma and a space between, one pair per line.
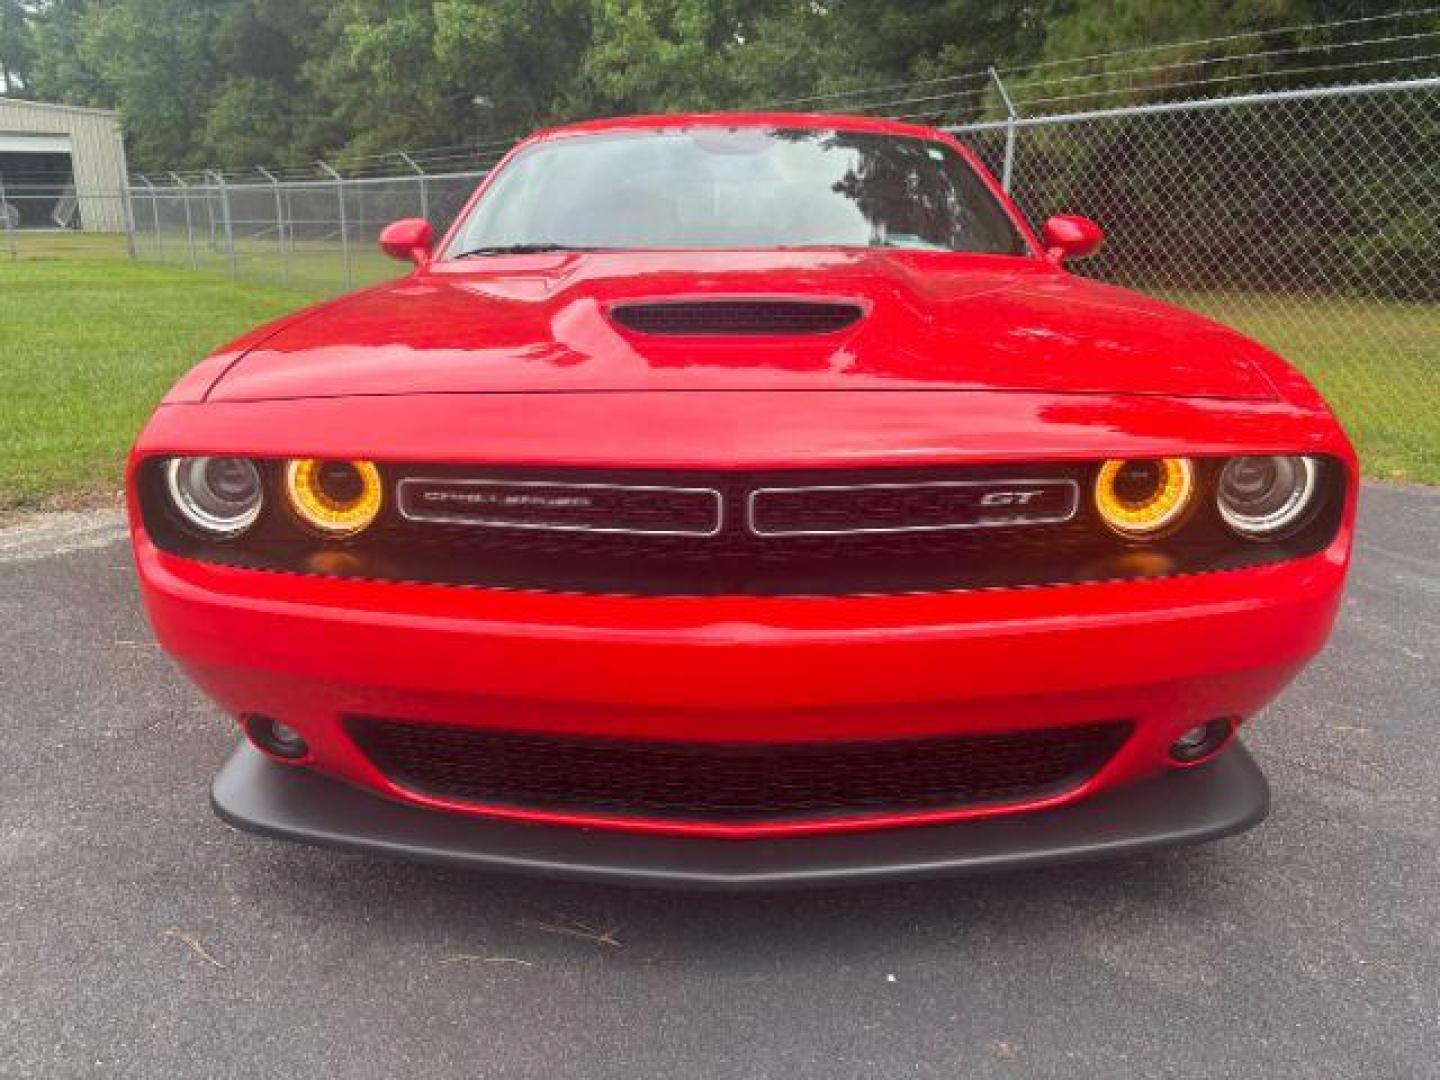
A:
1225, 796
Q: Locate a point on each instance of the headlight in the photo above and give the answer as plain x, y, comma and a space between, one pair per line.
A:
1143, 498
335, 498
220, 496
1263, 497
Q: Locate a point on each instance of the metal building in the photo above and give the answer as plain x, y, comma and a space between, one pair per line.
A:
61, 167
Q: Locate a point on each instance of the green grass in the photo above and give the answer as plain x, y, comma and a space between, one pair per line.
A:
90, 342
87, 348
1376, 362
312, 266
57, 244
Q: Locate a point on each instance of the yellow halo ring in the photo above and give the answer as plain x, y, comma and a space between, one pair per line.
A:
1155, 512
325, 514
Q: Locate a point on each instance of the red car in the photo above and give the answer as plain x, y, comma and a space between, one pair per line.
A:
742, 500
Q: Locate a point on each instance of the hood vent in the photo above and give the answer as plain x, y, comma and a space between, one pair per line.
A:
736, 317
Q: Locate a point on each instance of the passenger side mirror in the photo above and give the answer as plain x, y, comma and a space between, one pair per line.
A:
1069, 236
408, 240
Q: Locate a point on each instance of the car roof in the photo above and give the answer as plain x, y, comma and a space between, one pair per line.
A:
794, 120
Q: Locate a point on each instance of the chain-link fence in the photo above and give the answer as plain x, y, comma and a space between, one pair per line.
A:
315, 235
1308, 220
41, 216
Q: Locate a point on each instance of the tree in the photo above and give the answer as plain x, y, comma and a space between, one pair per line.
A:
263, 110
661, 55
16, 46
515, 61
235, 82
58, 72
157, 58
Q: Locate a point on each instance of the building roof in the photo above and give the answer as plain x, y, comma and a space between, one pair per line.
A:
46, 106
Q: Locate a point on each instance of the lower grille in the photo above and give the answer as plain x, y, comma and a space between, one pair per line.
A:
732, 782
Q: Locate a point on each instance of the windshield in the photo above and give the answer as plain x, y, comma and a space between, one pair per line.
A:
745, 187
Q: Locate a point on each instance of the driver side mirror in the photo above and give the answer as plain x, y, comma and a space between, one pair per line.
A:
408, 240
1069, 236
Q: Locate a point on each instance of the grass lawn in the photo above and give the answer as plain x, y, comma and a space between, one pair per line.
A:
311, 266
61, 243
1376, 362
89, 342
87, 347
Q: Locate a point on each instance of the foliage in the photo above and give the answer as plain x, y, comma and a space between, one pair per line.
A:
232, 82
16, 46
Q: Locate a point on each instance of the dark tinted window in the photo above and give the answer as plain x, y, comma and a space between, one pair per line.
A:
709, 187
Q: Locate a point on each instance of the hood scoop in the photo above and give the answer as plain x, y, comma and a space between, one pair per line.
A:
737, 318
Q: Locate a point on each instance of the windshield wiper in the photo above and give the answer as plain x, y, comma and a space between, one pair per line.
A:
520, 249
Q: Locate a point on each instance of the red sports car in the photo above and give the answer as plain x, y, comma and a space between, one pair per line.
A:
742, 500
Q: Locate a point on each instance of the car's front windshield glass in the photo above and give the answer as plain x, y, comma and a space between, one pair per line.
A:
745, 187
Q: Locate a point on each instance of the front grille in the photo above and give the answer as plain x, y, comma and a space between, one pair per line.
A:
732, 782
741, 317
820, 542
839, 510
561, 507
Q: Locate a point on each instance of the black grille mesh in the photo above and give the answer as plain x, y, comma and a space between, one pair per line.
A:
750, 317
732, 781
733, 563
737, 562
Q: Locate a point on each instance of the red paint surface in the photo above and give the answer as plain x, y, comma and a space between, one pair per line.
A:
1068, 236
959, 359
940, 321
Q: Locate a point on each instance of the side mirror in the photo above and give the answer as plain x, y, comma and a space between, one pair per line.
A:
408, 240
1068, 236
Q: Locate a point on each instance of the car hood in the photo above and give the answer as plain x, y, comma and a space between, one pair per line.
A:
543, 324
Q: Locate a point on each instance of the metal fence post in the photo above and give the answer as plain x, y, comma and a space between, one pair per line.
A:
10, 237
344, 228
279, 225
359, 208
127, 207
289, 218
212, 243
155, 214
1008, 169
189, 223
424, 187
228, 223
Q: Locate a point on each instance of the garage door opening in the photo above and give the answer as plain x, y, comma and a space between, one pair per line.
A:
62, 167
37, 183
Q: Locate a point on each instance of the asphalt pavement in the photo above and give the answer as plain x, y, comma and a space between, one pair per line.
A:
141, 937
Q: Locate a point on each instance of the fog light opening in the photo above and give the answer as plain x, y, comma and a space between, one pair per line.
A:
273, 738
1203, 741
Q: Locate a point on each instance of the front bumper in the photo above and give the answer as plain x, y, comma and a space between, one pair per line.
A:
1162, 655
1225, 796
